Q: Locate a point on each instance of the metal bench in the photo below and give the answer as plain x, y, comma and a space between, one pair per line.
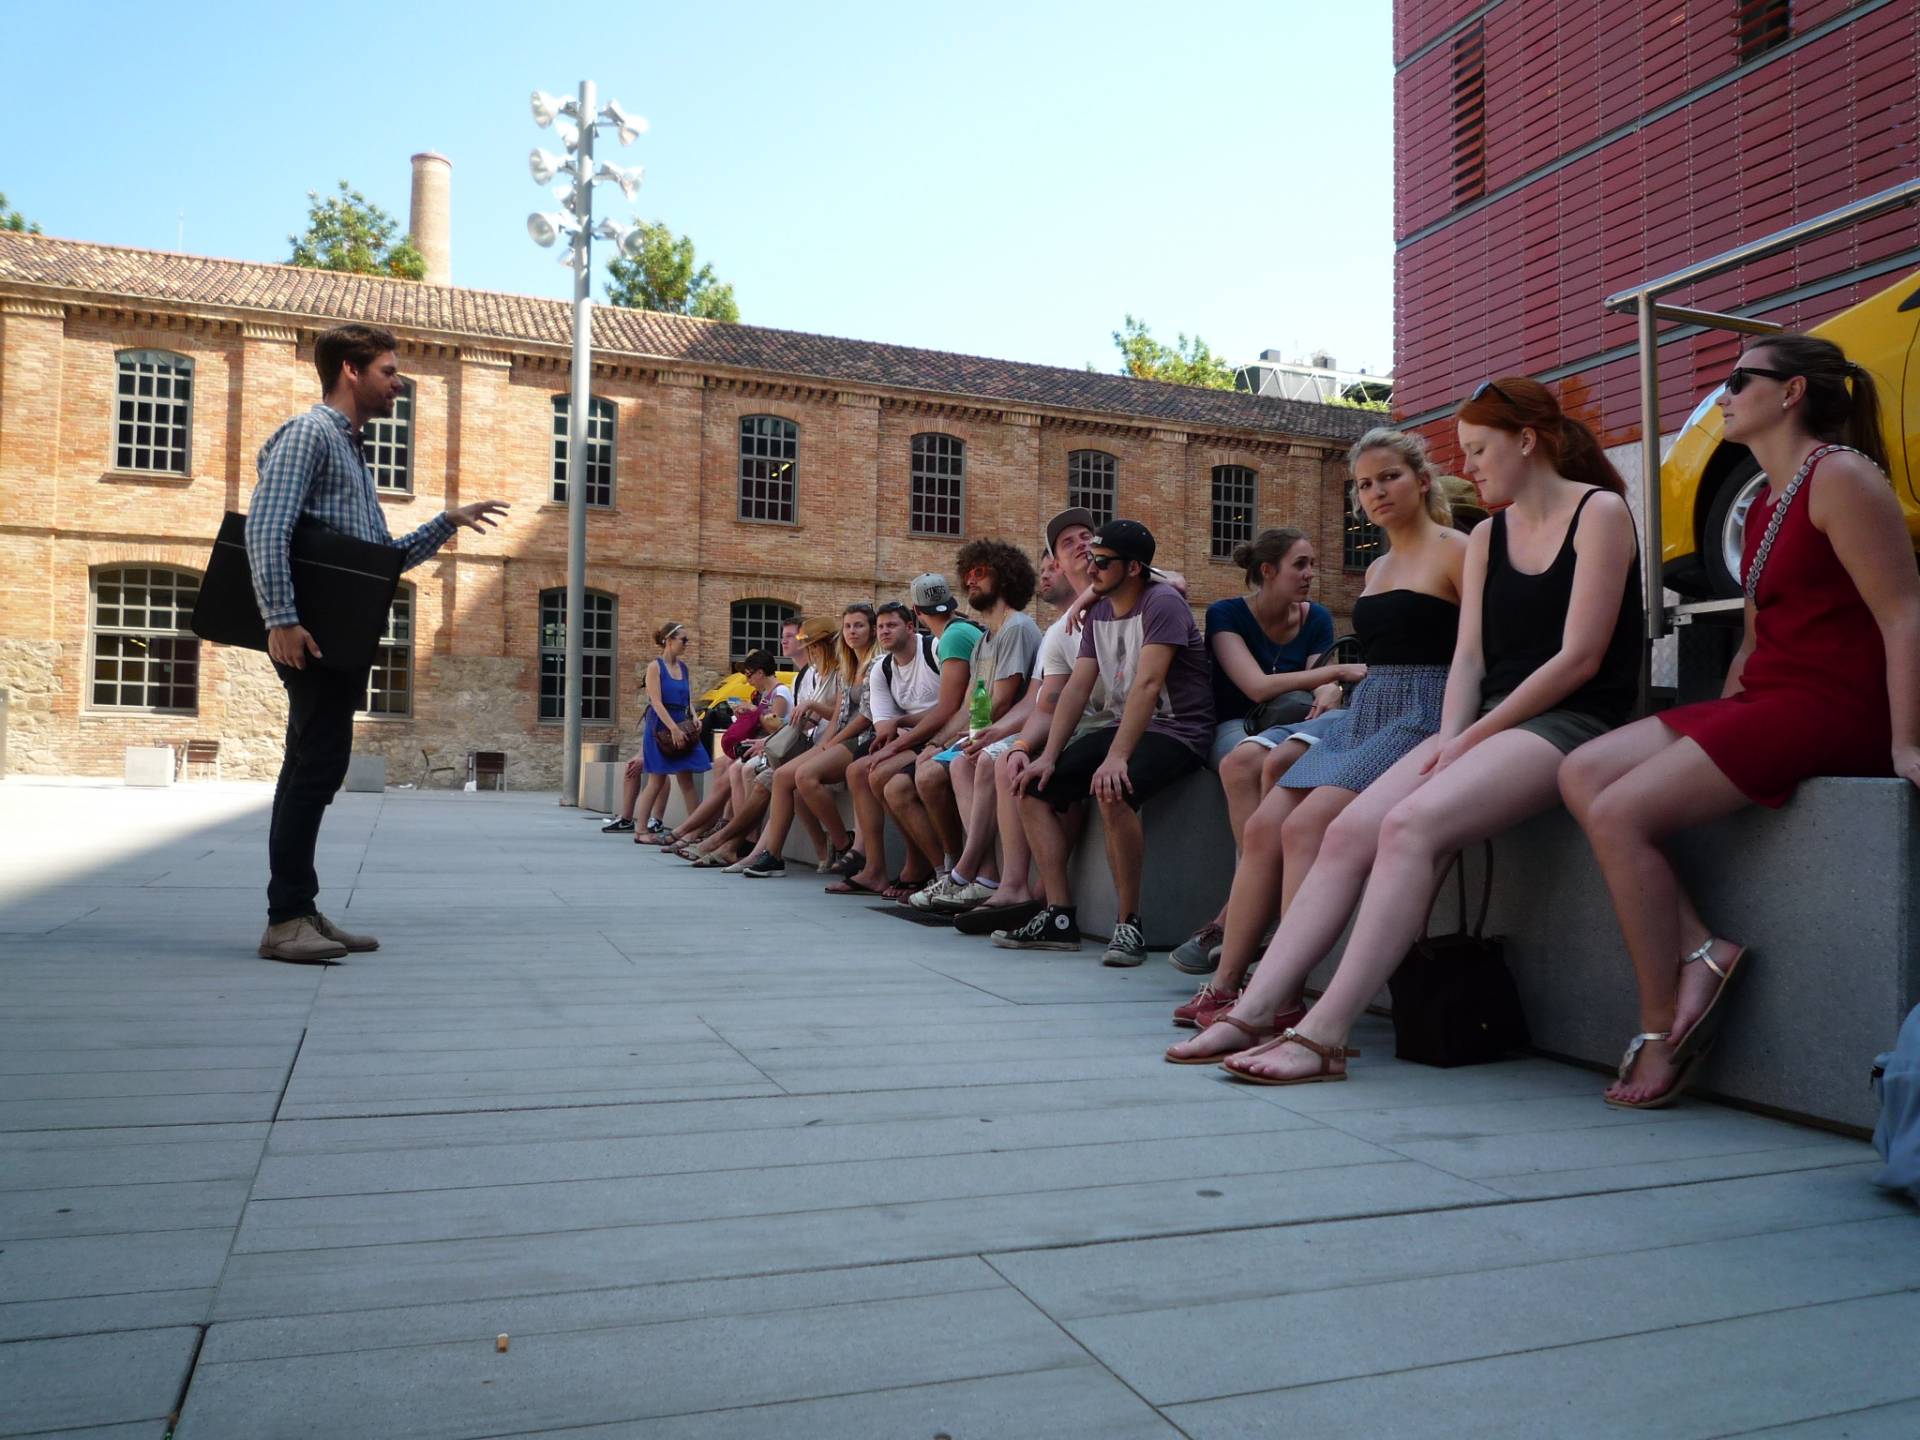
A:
197, 752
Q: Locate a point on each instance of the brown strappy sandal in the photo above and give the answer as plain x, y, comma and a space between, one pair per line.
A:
1330, 1055
1257, 1035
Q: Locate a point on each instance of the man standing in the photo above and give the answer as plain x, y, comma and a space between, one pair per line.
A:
1140, 640
314, 467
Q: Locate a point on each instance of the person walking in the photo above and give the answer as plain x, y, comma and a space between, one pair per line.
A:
315, 467
670, 718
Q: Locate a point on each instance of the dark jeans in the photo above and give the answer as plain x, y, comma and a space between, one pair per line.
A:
320, 706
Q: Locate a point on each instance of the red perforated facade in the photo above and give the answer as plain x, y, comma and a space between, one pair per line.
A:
1551, 152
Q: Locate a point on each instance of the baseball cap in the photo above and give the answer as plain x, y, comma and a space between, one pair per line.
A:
1067, 519
1128, 539
932, 594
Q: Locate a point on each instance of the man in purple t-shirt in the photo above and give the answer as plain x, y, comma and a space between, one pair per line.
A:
1141, 640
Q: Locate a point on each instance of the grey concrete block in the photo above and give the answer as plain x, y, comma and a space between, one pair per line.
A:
601, 785
366, 774
92, 1380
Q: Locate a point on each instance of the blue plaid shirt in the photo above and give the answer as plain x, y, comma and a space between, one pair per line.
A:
314, 465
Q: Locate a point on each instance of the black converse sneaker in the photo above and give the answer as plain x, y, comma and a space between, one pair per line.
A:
617, 827
765, 867
1128, 946
1054, 928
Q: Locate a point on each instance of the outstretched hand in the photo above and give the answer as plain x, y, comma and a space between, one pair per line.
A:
481, 515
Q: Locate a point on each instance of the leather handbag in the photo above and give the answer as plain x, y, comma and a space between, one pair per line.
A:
1290, 707
671, 740
1454, 1000
787, 743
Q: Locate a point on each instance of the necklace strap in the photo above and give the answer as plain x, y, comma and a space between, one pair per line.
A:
1765, 548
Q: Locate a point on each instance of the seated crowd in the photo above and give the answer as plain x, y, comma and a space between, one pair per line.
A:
1497, 675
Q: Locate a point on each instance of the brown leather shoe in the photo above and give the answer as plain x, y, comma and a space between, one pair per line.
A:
355, 943
300, 942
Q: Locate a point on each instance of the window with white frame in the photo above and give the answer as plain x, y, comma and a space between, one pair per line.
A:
388, 444
599, 458
390, 682
1091, 482
153, 412
145, 655
769, 464
938, 481
1233, 505
596, 657
756, 625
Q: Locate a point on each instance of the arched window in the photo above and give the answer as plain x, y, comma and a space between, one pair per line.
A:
153, 412
1090, 482
599, 463
769, 467
755, 625
389, 445
390, 682
938, 490
1233, 506
145, 656
596, 657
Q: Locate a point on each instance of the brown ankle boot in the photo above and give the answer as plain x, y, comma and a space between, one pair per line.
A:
354, 943
300, 942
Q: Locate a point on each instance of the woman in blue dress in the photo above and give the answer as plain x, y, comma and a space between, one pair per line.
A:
670, 709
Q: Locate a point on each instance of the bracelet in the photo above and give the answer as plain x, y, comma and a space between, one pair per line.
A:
1019, 743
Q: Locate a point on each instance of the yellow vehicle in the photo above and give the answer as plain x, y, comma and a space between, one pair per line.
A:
1707, 485
735, 687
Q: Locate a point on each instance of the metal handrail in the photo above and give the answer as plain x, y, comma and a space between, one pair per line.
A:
1643, 299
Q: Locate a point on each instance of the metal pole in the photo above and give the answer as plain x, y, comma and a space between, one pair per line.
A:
1650, 490
577, 415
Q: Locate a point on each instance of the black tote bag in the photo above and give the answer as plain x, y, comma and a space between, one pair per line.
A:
1454, 1000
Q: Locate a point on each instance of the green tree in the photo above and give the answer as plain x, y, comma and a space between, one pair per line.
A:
349, 232
14, 220
663, 277
1185, 362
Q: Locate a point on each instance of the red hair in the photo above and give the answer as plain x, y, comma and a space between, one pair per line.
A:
1517, 402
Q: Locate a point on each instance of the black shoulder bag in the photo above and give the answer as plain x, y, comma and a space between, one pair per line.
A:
1290, 707
1454, 1000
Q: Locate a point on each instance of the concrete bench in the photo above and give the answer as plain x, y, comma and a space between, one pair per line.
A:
1825, 891
366, 774
149, 765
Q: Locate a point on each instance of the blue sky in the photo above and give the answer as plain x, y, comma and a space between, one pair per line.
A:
991, 178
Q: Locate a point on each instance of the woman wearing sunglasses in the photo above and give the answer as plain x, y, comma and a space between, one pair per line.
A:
1826, 682
1548, 656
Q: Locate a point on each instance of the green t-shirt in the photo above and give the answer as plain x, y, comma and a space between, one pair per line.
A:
956, 642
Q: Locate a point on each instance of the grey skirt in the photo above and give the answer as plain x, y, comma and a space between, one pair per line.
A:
1392, 710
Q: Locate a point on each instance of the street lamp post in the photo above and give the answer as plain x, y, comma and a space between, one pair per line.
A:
576, 223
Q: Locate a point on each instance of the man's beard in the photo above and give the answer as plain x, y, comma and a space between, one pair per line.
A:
983, 603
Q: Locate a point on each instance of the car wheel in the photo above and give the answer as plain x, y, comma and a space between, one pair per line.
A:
1723, 536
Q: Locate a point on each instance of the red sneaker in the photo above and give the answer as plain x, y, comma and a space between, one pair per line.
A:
1207, 1002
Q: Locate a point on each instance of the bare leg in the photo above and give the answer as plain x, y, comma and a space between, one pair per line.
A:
631, 784
1302, 833
934, 787
870, 815
979, 801
812, 782
1050, 848
1256, 889
1015, 856
1126, 847
773, 836
1240, 781
1493, 787
1672, 787
689, 797
710, 809
746, 818
902, 797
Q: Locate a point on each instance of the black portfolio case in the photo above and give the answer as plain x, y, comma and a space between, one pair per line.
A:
342, 587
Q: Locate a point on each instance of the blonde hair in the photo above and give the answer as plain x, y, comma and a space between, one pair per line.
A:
852, 660
1412, 452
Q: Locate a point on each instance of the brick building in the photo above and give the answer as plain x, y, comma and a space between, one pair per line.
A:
1550, 153
736, 475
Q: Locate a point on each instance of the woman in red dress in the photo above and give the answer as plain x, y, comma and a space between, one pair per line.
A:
1826, 682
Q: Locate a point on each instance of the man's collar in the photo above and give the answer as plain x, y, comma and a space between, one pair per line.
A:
338, 417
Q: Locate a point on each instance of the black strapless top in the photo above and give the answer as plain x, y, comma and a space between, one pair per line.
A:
1406, 627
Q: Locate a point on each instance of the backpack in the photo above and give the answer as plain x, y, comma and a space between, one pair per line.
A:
926, 656
1896, 1080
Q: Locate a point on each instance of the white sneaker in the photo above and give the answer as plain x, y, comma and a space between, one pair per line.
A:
923, 898
960, 898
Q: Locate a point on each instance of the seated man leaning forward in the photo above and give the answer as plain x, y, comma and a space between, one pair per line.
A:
1140, 640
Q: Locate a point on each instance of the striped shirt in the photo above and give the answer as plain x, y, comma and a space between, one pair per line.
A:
313, 465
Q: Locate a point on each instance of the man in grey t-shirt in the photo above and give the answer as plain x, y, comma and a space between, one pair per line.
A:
999, 581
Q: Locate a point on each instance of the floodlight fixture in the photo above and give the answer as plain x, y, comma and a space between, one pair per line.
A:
633, 241
627, 177
630, 127
545, 165
548, 108
545, 228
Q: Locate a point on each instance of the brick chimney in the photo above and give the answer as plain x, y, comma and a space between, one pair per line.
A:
428, 222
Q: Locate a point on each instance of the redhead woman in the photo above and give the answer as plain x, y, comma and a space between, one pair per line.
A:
1408, 621
1548, 657
1826, 682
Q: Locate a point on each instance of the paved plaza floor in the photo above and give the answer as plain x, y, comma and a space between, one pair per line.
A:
729, 1159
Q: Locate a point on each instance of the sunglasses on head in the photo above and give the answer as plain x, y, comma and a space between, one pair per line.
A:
1104, 562
1738, 377
1489, 387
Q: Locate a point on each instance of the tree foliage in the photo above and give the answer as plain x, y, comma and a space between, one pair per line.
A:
349, 232
663, 277
13, 220
1187, 361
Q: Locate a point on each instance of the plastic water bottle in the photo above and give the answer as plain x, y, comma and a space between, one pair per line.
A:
982, 715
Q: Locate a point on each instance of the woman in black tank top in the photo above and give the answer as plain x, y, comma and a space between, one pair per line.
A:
1551, 616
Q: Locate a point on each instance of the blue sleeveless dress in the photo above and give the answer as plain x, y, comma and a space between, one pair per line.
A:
677, 695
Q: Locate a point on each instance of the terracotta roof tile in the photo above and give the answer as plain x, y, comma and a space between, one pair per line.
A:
106, 271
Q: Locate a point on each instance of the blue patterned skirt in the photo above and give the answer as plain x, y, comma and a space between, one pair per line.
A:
1390, 712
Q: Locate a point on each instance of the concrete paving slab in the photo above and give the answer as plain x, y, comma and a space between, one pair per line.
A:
1898, 1421
129, 1263
99, 1314
92, 1380
119, 1209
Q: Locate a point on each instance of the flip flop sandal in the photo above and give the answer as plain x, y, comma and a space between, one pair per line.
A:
658, 838
710, 861
847, 887
1704, 1031
1258, 1036
1666, 1097
1330, 1055
898, 890
848, 865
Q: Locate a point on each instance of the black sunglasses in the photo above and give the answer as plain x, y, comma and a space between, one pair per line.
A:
1485, 387
1738, 377
1105, 562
